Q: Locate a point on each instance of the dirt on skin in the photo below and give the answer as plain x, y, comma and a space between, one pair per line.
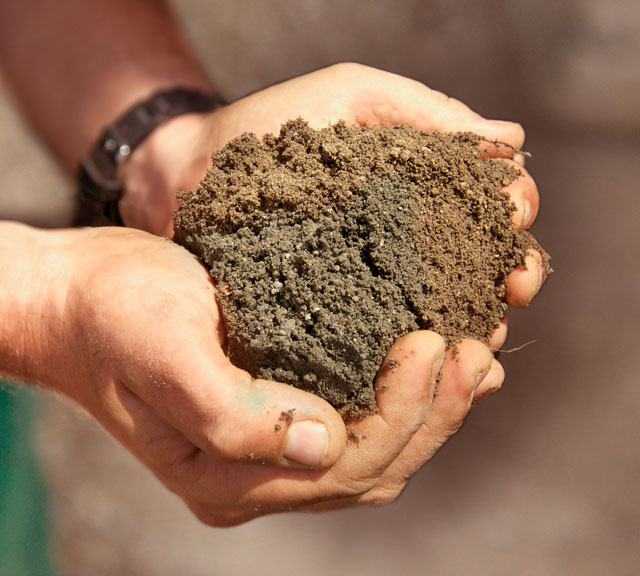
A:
328, 245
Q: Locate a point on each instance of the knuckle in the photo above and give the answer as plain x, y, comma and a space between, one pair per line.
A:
347, 68
449, 102
439, 97
227, 440
382, 495
217, 518
177, 474
353, 488
232, 436
460, 392
521, 132
451, 426
225, 447
456, 418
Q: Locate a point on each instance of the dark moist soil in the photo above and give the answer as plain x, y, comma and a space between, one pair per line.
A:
327, 245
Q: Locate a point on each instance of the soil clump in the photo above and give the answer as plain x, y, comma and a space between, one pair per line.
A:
328, 245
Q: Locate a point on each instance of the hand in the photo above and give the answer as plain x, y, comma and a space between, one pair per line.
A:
411, 425
127, 325
176, 156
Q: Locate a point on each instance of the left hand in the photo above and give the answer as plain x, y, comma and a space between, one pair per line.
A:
176, 157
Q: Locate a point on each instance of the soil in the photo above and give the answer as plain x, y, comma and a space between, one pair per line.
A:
327, 245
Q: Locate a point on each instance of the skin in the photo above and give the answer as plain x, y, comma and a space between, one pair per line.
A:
127, 324
75, 66
98, 316
351, 92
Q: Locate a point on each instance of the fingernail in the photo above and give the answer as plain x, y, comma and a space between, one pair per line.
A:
437, 366
527, 212
494, 389
537, 260
519, 211
486, 393
480, 378
540, 278
520, 158
307, 443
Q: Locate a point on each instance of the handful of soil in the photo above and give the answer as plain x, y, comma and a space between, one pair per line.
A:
328, 245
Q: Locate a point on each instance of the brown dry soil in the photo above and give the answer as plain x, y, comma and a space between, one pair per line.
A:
327, 245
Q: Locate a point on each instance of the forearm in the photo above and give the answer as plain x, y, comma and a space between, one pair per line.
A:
75, 66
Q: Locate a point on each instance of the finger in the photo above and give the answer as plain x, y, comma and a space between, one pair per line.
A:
270, 422
466, 365
524, 283
491, 383
523, 192
233, 417
498, 149
499, 335
404, 390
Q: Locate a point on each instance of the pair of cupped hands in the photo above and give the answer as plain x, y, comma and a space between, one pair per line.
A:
133, 333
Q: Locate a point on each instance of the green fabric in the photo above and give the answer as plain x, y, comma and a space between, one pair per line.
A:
23, 522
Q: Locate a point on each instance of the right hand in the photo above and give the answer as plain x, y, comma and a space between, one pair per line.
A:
128, 326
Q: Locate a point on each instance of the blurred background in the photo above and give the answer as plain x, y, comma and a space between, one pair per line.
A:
544, 477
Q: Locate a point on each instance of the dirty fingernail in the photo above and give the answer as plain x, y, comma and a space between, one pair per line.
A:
522, 212
537, 261
494, 389
540, 277
480, 395
480, 378
307, 443
527, 212
437, 366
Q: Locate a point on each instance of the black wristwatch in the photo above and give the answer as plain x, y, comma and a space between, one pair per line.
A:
100, 188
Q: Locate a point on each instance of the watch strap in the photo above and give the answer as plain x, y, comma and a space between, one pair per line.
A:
100, 187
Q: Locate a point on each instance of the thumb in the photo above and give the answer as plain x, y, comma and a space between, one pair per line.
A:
235, 418
270, 422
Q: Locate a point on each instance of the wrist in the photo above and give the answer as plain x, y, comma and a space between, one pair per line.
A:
174, 157
36, 268
100, 174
